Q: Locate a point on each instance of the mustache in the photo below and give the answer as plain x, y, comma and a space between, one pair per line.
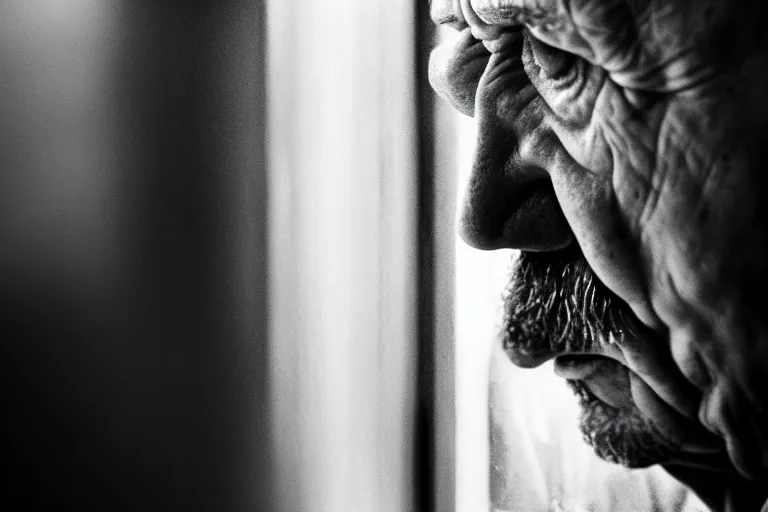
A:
555, 304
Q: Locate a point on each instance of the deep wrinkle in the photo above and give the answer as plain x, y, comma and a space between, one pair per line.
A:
513, 15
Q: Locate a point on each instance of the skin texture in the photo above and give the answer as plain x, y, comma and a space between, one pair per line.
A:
556, 307
638, 129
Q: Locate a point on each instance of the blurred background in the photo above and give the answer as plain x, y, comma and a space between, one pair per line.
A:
228, 268
210, 257
133, 255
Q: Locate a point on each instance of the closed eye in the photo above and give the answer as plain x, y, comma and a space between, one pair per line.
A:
553, 62
568, 83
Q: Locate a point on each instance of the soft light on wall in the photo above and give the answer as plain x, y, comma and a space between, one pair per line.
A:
343, 170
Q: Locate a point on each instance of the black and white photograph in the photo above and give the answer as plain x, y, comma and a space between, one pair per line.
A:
384, 255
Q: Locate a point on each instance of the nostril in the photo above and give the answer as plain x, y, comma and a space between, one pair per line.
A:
514, 216
478, 235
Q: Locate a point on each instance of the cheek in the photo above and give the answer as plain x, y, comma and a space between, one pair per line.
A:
584, 176
589, 205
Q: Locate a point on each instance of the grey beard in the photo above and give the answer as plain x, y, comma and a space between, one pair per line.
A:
621, 436
555, 303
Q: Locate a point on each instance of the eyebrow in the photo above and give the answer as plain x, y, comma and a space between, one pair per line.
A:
516, 15
498, 15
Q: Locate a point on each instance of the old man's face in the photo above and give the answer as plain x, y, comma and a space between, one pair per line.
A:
622, 146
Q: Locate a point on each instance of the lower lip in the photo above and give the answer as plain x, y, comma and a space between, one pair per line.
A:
577, 367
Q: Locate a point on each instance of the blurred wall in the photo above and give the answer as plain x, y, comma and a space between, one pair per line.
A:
343, 254
132, 255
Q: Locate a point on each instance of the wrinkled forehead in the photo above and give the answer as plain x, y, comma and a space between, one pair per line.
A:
495, 12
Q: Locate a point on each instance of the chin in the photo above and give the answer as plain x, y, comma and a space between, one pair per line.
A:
621, 436
554, 307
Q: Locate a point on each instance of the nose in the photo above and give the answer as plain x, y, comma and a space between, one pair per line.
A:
510, 202
513, 211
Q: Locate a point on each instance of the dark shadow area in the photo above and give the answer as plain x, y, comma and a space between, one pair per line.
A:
135, 354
